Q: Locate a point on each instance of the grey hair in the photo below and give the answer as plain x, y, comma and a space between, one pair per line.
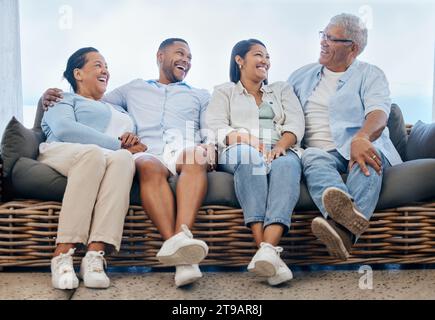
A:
354, 29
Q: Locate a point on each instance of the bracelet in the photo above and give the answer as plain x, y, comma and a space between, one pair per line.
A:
359, 138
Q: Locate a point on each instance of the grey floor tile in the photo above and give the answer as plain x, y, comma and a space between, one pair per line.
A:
30, 286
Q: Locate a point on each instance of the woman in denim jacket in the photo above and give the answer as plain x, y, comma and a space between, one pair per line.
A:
258, 128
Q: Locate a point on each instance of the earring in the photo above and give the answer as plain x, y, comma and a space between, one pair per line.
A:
240, 66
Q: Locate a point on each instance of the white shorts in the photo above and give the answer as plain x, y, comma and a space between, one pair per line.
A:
170, 156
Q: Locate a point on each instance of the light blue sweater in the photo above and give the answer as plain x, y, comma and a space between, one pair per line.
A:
76, 119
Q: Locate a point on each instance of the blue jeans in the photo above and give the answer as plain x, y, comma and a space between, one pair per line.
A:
267, 194
322, 170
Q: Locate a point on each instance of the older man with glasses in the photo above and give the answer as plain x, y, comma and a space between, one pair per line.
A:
346, 104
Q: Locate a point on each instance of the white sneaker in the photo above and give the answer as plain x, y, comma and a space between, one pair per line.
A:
283, 274
187, 274
92, 270
63, 275
182, 249
267, 263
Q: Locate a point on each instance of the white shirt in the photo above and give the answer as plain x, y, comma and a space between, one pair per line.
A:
232, 108
119, 124
317, 130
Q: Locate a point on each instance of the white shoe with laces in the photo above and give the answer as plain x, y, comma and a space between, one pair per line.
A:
182, 249
63, 275
283, 274
92, 270
187, 274
267, 263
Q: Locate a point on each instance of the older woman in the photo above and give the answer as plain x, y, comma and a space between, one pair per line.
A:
91, 143
258, 128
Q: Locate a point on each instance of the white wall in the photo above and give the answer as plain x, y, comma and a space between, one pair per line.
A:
11, 100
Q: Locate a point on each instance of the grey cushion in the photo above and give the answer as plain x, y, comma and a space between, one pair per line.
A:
17, 142
35, 180
220, 190
404, 184
396, 126
421, 142
47, 184
411, 181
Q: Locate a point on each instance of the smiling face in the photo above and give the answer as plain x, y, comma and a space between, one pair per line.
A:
255, 65
336, 56
174, 62
93, 78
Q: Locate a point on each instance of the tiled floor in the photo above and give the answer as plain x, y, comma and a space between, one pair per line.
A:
324, 284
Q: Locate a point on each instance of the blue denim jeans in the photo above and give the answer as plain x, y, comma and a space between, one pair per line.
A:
322, 170
266, 193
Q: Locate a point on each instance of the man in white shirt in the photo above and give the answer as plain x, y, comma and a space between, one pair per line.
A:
346, 104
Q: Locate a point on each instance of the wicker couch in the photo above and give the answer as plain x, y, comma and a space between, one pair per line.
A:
401, 231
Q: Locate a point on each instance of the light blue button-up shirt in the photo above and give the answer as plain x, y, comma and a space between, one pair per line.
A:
362, 89
163, 113
77, 119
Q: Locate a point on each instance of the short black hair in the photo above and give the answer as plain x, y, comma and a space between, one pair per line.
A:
241, 49
170, 41
76, 61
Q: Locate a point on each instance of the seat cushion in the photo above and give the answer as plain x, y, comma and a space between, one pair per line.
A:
220, 190
410, 182
34, 180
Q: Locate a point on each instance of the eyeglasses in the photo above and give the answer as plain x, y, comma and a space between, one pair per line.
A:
328, 38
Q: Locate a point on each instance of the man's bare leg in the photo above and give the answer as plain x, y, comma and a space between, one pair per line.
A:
156, 194
191, 187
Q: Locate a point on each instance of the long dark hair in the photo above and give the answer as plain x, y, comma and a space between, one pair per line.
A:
76, 61
241, 49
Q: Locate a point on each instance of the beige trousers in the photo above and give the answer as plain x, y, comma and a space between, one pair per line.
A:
97, 194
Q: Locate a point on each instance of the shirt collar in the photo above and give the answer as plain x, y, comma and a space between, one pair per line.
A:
158, 84
346, 76
241, 89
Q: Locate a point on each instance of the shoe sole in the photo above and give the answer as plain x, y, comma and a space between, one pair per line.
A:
263, 269
95, 285
192, 254
282, 278
187, 281
71, 286
330, 238
341, 209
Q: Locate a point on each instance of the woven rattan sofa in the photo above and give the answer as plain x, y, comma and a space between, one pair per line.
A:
402, 230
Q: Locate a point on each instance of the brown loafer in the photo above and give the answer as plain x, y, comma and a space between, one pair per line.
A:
342, 210
338, 242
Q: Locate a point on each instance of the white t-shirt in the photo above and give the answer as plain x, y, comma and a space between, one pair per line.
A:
119, 124
317, 130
